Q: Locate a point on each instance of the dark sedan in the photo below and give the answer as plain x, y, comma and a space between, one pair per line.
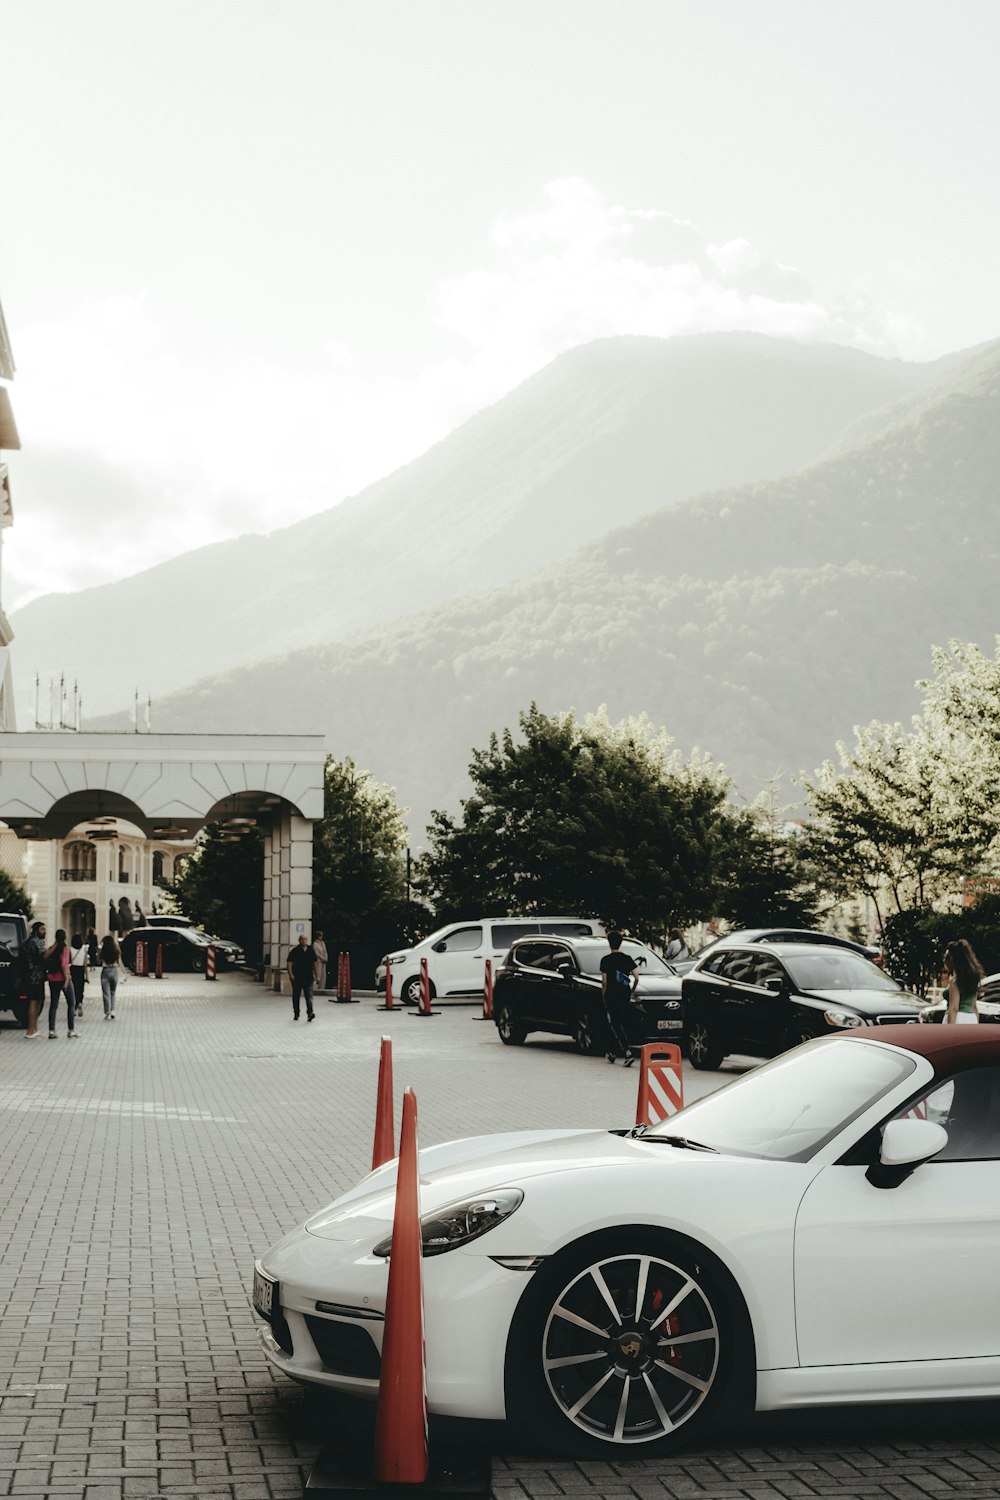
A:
554, 984
184, 949
761, 999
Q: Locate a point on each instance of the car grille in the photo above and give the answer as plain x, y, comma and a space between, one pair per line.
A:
345, 1348
902, 1020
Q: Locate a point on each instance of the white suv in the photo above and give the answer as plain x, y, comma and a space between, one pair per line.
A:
456, 955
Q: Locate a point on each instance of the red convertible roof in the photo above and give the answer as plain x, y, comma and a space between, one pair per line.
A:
947, 1048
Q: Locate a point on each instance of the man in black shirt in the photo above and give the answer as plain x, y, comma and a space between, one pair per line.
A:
302, 973
618, 981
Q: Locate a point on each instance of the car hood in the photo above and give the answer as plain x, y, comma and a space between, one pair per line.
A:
868, 1002
479, 1164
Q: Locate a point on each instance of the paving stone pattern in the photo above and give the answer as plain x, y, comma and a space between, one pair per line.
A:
142, 1168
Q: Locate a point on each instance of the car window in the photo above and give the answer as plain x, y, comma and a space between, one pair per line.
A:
462, 940
791, 1107
968, 1106
739, 965
10, 937
570, 929
538, 955
714, 964
837, 969
505, 933
589, 957
767, 968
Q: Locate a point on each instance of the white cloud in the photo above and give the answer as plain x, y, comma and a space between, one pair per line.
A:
143, 438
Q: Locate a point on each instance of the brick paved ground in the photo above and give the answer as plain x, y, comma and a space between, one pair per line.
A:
142, 1167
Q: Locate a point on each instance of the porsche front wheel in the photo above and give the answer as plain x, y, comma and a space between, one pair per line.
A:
622, 1346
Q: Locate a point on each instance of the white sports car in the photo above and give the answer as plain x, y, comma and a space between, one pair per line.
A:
773, 1243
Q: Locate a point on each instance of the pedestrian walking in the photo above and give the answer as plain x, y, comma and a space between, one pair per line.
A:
35, 967
111, 957
302, 972
618, 982
57, 974
79, 968
93, 956
965, 976
322, 959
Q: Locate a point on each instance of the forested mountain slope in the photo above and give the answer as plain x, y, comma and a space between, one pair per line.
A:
760, 623
606, 433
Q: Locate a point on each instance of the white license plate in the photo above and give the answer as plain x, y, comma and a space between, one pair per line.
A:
263, 1293
669, 1025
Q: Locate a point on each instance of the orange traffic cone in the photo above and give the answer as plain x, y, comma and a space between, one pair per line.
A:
487, 1014
384, 1149
159, 960
423, 1009
388, 988
401, 1422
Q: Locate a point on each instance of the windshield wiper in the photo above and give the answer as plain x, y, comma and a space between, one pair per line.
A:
682, 1142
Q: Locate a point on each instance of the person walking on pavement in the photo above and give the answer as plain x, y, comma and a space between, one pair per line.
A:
111, 957
618, 982
322, 959
57, 973
79, 965
35, 967
302, 972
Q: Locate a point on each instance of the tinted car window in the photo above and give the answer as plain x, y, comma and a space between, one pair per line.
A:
570, 929
589, 957
767, 968
540, 955
505, 933
837, 969
739, 966
9, 936
968, 1106
462, 940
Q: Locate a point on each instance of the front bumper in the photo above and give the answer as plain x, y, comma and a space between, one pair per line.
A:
469, 1302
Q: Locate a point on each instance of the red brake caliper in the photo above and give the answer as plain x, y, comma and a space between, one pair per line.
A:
667, 1327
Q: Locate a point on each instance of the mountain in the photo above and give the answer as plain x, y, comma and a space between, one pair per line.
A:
603, 435
760, 622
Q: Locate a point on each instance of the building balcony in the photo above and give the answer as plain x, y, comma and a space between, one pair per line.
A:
79, 875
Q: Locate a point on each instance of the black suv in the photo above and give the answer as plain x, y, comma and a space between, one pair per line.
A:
554, 984
13, 936
765, 997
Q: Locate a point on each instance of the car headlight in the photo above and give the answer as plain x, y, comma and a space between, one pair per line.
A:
842, 1018
461, 1222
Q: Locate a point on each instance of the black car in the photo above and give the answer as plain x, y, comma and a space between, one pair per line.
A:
554, 984
183, 949
760, 999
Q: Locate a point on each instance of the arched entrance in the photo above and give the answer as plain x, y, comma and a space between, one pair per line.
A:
78, 916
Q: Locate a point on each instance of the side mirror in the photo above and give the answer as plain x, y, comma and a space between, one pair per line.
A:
906, 1145
441, 947
775, 985
565, 969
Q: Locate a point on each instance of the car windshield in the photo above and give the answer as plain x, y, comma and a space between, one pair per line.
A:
788, 1109
836, 969
647, 962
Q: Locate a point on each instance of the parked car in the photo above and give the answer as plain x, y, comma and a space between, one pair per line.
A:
13, 936
801, 935
184, 950
456, 955
554, 984
617, 1293
988, 1004
761, 999
167, 921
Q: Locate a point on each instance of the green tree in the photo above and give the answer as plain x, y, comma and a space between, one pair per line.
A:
884, 824
359, 881
221, 887
13, 896
591, 818
766, 876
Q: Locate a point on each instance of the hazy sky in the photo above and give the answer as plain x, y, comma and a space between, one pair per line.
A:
257, 253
